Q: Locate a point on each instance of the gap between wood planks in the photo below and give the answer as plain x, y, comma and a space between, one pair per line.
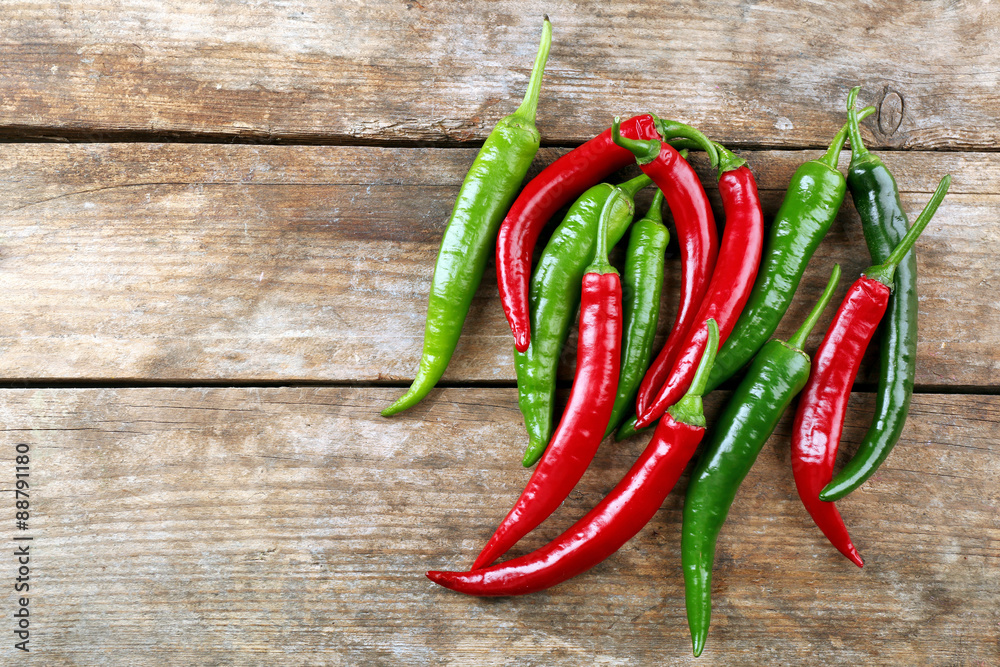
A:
15, 135
58, 383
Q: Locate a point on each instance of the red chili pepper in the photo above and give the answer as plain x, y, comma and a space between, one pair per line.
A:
591, 399
819, 419
558, 184
616, 519
732, 280
696, 236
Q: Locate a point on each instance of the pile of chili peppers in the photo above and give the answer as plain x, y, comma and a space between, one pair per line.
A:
733, 293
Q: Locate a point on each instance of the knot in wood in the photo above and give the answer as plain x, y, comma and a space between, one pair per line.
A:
890, 112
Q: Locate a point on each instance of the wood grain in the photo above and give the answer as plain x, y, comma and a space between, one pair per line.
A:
772, 74
180, 262
274, 525
293, 526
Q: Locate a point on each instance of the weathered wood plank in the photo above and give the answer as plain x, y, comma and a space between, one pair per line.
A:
756, 74
293, 526
181, 262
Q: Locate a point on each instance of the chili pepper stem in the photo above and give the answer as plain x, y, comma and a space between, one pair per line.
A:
858, 150
529, 106
728, 161
884, 272
832, 155
670, 129
655, 212
645, 150
798, 340
632, 186
690, 410
600, 263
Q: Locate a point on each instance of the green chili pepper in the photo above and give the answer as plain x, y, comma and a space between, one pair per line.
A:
775, 376
483, 200
876, 198
642, 282
811, 203
554, 297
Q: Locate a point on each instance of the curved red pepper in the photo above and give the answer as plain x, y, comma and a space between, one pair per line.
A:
558, 184
732, 280
699, 247
616, 519
591, 400
819, 419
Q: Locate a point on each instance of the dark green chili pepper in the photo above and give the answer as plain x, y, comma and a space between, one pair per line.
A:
642, 282
775, 376
554, 297
486, 194
811, 203
876, 198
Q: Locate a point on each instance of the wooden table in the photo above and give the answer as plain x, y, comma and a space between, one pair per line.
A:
218, 223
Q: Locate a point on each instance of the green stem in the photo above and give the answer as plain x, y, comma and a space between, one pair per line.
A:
884, 272
633, 185
728, 161
529, 105
683, 153
655, 212
858, 149
644, 150
684, 144
832, 156
669, 129
600, 263
798, 341
689, 410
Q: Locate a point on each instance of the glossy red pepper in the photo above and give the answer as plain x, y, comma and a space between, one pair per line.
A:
696, 236
616, 519
557, 185
732, 280
819, 419
591, 399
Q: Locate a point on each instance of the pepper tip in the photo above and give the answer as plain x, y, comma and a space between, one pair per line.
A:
642, 422
522, 339
534, 452
396, 407
697, 644
445, 579
438, 577
830, 493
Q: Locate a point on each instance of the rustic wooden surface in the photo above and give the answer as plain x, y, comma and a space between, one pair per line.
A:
198, 336
751, 73
182, 261
234, 525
